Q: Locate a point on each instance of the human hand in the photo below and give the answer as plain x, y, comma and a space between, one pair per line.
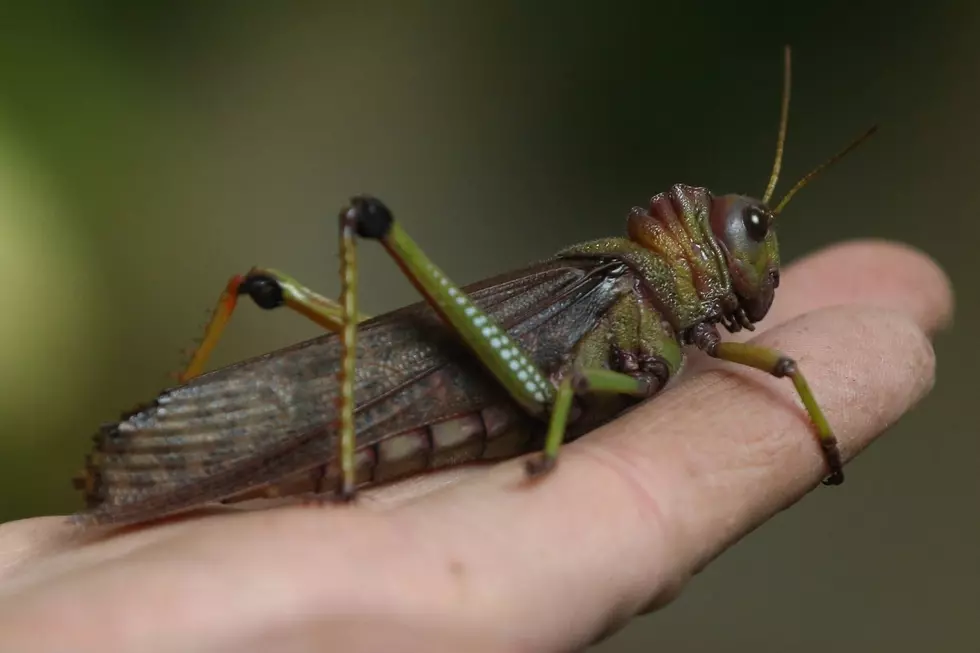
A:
475, 559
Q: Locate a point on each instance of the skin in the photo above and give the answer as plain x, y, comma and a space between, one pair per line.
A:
477, 559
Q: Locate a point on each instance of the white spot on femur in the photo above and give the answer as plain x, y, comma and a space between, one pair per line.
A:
506, 354
522, 375
461, 300
443, 280
539, 396
487, 332
495, 343
523, 361
531, 387
470, 311
480, 320
453, 292
514, 366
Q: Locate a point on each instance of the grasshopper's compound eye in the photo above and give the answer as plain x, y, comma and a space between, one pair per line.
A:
742, 224
264, 291
756, 221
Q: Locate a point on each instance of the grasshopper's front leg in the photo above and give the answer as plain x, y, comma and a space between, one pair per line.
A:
707, 338
505, 359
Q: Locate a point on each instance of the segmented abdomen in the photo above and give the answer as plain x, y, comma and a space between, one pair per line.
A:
494, 433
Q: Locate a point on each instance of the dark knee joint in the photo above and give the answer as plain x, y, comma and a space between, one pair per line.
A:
625, 361
649, 368
263, 289
655, 370
705, 337
785, 366
369, 217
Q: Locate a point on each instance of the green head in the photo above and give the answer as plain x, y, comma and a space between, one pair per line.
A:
743, 227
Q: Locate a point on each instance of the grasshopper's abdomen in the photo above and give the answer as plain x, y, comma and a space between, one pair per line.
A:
493, 433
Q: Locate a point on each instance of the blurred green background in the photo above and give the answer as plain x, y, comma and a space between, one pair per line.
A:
148, 151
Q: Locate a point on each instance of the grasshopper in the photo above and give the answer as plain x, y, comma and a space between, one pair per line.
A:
516, 364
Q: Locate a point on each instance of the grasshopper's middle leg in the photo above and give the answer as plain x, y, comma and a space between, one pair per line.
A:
583, 382
642, 353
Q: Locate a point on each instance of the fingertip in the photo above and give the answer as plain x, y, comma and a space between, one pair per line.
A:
638, 506
879, 273
867, 365
730, 447
902, 269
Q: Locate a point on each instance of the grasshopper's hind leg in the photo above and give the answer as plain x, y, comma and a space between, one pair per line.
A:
268, 289
505, 359
367, 217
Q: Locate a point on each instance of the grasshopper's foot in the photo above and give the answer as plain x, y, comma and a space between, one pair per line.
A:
346, 494
836, 477
539, 465
831, 454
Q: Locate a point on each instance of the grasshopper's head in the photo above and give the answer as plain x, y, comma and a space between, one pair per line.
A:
743, 229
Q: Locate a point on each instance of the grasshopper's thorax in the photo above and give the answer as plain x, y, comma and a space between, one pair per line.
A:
701, 258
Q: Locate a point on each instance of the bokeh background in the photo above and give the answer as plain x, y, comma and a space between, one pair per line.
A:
148, 151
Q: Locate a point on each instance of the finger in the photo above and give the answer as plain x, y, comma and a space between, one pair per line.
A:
628, 515
27, 542
870, 272
596, 538
638, 507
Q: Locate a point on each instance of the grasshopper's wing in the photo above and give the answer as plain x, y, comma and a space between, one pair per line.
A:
255, 422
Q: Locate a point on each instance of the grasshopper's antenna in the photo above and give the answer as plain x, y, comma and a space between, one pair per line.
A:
820, 168
783, 121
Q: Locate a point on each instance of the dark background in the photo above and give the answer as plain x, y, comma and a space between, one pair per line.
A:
148, 151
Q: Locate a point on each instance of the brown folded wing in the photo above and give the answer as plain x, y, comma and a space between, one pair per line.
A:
252, 423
